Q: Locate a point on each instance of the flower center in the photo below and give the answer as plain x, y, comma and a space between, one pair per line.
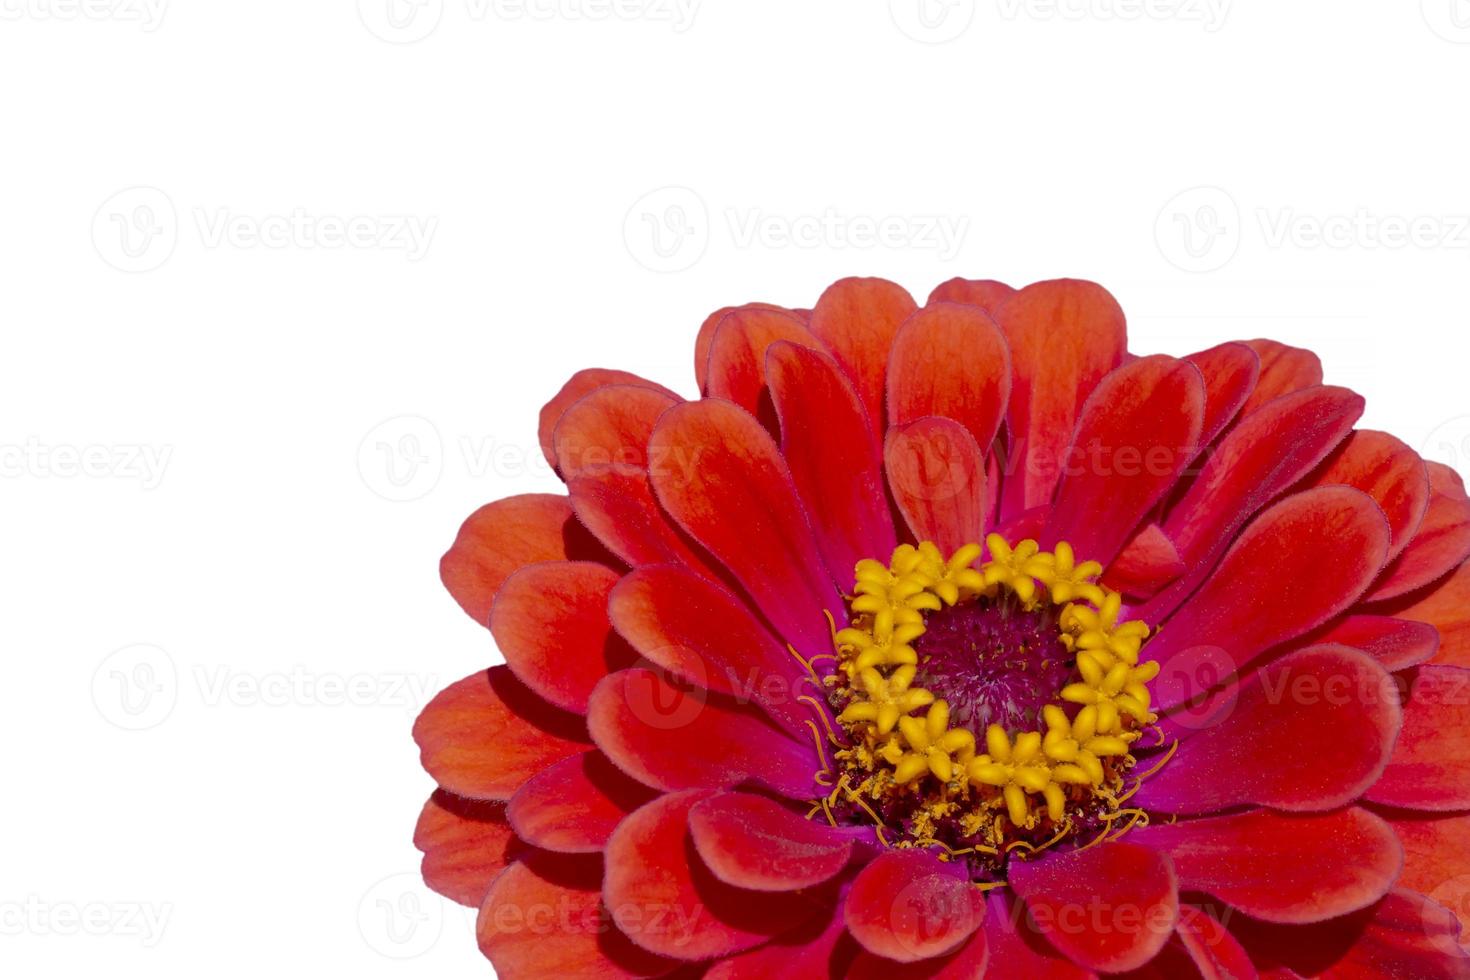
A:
989, 711
993, 662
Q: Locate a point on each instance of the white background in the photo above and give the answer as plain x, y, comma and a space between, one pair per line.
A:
235, 441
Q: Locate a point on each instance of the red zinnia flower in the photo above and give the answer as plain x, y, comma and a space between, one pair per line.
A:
959, 641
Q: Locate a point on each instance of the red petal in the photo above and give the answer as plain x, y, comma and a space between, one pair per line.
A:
674, 738
937, 475
1215, 952
1283, 868
651, 867
1283, 370
706, 337
1394, 643
966, 963
1389, 472
1404, 935
820, 948
1146, 564
1017, 951
1136, 434
577, 387
739, 501
1446, 607
1441, 544
1312, 731
828, 442
550, 621
1064, 335
737, 360
484, 736
1436, 857
906, 906
466, 843
1322, 547
1430, 767
1262, 456
753, 842
984, 293
501, 537
703, 634
857, 319
1230, 372
575, 805
544, 918
1110, 908
950, 360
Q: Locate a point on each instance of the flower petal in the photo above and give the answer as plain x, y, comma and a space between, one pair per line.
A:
1445, 606
703, 634
1394, 643
1216, 954
1430, 767
1260, 458
906, 906
738, 500
602, 452
1111, 907
1404, 935
574, 806
753, 842
937, 476
651, 866
966, 963
579, 386
1230, 372
1311, 731
1017, 951
1294, 568
828, 442
984, 293
1389, 472
1436, 856
1283, 370
857, 319
466, 843
544, 918
485, 735
1064, 336
550, 621
706, 336
1442, 542
737, 359
1136, 434
1283, 868
501, 537
818, 948
950, 360
672, 737
1146, 564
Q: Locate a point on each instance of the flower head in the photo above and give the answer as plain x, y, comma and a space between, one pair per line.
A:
958, 636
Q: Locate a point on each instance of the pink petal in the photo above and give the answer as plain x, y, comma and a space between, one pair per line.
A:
906, 906
737, 359
984, 293
753, 842
1430, 767
1230, 372
1389, 472
574, 806
579, 386
950, 360
466, 843
856, 319
1283, 370
1394, 643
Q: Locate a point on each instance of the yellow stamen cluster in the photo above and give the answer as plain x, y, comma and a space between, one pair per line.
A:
1024, 777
